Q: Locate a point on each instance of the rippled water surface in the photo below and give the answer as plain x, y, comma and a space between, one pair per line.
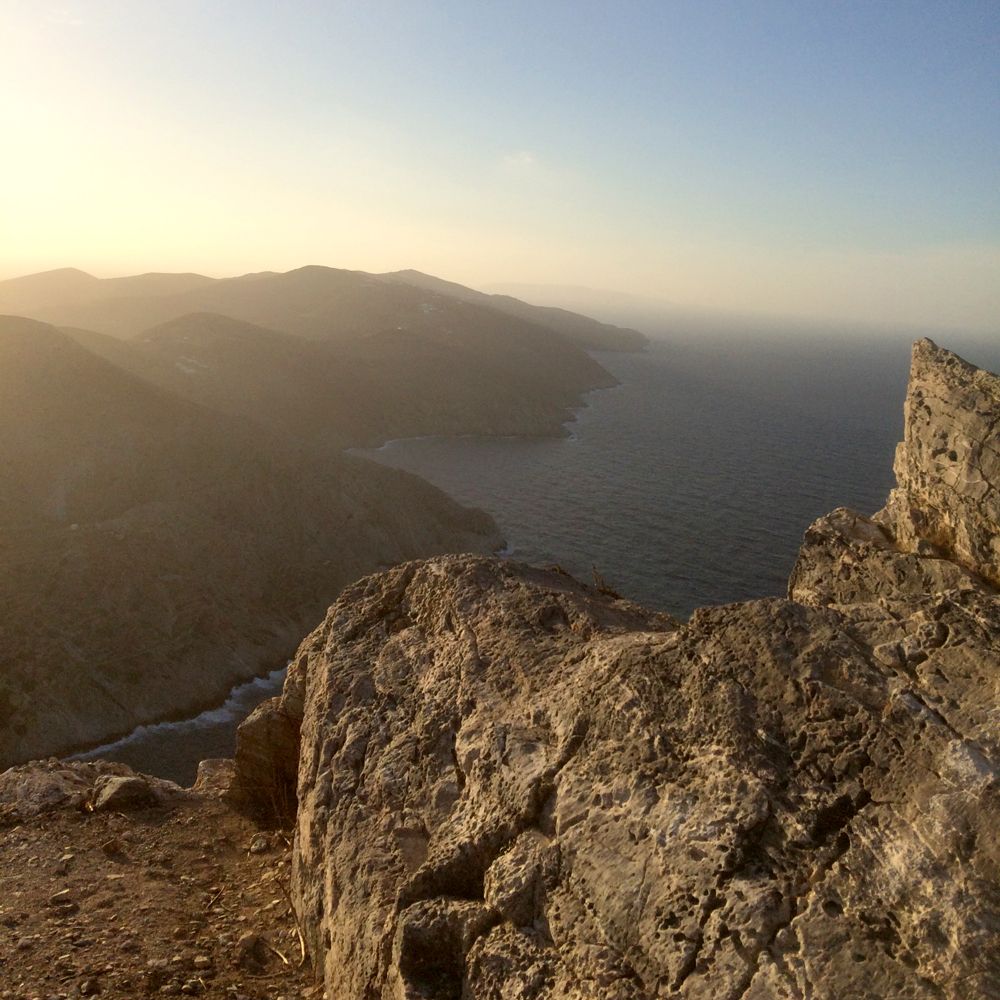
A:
691, 482
173, 749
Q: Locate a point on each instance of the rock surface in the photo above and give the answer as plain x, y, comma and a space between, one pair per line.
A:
514, 786
124, 793
948, 464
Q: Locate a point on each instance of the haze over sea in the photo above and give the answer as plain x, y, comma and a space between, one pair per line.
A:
690, 483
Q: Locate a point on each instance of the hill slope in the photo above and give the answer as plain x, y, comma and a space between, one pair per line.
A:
493, 379
156, 552
582, 330
391, 359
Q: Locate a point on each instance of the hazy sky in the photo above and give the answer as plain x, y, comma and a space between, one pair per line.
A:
828, 158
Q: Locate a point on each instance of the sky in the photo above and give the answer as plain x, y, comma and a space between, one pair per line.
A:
828, 159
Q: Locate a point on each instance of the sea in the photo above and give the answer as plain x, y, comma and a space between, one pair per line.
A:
689, 483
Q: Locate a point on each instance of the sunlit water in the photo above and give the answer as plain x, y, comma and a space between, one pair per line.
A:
690, 483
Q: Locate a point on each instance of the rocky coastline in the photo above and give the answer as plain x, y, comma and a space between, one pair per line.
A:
501, 784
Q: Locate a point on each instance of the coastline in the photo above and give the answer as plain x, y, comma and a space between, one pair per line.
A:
565, 430
242, 698
231, 706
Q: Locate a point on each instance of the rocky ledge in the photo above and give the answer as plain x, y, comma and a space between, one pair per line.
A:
513, 786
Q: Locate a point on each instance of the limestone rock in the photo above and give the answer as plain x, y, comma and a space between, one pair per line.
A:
505, 779
123, 792
848, 558
267, 754
215, 777
514, 787
948, 464
43, 786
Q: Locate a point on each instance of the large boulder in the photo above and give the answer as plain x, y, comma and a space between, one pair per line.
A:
515, 787
43, 786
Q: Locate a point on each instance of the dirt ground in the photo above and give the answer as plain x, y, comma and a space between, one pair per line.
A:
187, 898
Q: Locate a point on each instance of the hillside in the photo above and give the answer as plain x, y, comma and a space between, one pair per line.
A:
321, 303
492, 379
174, 506
156, 551
582, 330
340, 357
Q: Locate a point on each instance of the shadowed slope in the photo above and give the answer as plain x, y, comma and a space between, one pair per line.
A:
155, 551
582, 330
490, 379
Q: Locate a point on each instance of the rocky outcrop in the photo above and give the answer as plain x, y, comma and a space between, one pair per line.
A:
940, 528
948, 464
514, 786
45, 786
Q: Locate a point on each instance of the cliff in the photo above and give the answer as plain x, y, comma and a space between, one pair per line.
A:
513, 786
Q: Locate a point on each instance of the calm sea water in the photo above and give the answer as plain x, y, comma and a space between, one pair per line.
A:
688, 484
692, 482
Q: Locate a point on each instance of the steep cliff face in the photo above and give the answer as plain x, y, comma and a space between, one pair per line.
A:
948, 464
940, 528
513, 786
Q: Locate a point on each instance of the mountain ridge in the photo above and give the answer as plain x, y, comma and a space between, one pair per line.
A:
583, 330
125, 306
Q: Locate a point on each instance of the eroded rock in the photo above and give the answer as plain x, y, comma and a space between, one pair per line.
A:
43, 786
124, 792
948, 464
515, 787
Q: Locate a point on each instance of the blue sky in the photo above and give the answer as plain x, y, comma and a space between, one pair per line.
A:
829, 159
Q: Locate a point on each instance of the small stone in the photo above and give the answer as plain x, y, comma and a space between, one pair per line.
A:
118, 792
252, 953
260, 844
157, 972
90, 988
113, 848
